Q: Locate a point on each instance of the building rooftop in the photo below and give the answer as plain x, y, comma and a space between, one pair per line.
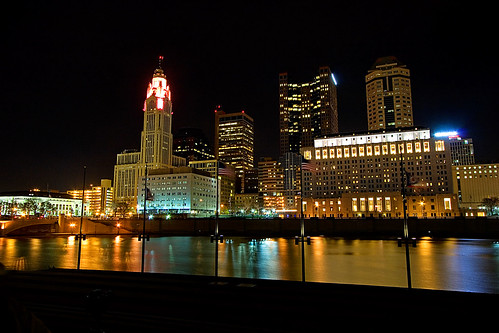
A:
383, 61
36, 194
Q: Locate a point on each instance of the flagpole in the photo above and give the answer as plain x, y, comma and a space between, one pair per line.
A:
144, 221
302, 225
216, 223
406, 227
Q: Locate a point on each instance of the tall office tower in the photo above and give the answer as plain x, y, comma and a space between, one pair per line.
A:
306, 110
388, 94
191, 143
270, 183
156, 141
234, 142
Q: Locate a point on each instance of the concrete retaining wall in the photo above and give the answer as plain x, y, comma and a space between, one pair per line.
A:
368, 227
452, 227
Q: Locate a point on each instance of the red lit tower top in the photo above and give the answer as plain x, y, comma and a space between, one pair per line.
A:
158, 89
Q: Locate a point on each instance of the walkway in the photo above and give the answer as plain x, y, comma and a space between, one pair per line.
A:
78, 301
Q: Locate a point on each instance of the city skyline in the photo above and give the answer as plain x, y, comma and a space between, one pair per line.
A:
74, 82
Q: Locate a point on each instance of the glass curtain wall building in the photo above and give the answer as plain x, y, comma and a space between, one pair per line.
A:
306, 110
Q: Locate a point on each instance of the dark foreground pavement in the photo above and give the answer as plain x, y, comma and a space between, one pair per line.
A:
101, 301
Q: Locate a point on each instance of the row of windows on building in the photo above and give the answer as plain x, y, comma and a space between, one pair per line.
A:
376, 150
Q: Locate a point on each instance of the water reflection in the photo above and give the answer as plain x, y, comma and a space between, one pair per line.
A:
451, 264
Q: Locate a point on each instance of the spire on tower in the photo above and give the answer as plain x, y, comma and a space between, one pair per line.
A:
160, 62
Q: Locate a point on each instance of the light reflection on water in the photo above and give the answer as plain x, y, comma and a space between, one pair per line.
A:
451, 264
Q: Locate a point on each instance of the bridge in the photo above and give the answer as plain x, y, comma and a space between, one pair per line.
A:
26, 226
62, 225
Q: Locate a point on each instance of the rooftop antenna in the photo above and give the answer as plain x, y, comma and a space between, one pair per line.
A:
160, 62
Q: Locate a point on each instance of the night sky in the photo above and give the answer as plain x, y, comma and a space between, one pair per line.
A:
74, 78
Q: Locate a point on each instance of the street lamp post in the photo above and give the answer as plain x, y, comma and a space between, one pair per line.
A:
216, 237
143, 236
80, 237
406, 227
301, 238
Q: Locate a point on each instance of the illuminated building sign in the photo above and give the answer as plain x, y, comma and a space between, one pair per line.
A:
334, 79
446, 134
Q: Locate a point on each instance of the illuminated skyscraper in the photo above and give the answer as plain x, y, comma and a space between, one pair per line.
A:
388, 94
156, 141
234, 141
306, 110
270, 183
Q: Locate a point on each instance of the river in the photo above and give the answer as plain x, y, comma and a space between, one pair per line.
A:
470, 265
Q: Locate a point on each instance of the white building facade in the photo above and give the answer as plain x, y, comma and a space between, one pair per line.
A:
181, 190
39, 203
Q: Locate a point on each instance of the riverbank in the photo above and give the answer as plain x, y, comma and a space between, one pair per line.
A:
76, 301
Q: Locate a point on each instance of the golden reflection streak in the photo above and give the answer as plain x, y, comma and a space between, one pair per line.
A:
9, 250
68, 260
427, 268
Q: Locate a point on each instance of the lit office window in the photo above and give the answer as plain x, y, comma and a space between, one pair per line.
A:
409, 147
346, 152
371, 204
388, 204
362, 204
393, 149
426, 146
317, 154
417, 147
379, 204
439, 145
447, 204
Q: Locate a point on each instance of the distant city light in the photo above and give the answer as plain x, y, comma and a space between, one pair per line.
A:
334, 79
446, 134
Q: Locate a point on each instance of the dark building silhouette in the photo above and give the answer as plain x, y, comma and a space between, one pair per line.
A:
192, 144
